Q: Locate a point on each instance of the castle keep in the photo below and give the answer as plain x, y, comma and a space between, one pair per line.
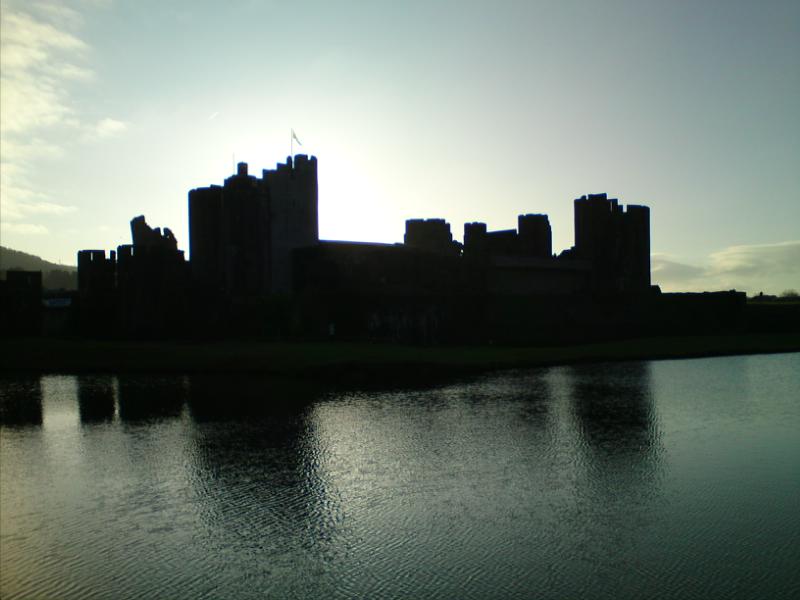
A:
258, 267
242, 234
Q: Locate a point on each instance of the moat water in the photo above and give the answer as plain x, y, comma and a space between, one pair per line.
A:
666, 479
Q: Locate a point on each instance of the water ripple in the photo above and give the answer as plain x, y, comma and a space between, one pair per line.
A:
635, 480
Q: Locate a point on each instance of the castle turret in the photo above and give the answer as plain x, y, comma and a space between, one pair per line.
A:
431, 235
474, 239
636, 247
293, 195
535, 238
616, 241
205, 251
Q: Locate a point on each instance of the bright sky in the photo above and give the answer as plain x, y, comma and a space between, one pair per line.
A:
470, 111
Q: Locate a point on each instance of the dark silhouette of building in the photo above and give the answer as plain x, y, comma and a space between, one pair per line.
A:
431, 235
616, 241
153, 282
21, 303
531, 238
97, 292
258, 268
535, 237
241, 235
139, 290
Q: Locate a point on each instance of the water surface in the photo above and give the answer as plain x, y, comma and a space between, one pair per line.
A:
642, 479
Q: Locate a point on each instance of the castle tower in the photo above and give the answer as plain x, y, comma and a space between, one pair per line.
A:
205, 243
475, 239
616, 241
431, 235
242, 235
636, 247
535, 237
293, 221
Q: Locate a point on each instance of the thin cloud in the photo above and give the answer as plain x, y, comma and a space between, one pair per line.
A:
107, 128
23, 151
58, 13
666, 270
36, 58
42, 58
47, 208
736, 261
21, 203
24, 228
751, 268
19, 199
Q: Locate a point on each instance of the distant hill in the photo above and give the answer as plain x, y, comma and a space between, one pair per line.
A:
53, 276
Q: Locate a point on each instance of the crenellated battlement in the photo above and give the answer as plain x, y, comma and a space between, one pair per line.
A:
301, 164
96, 273
86, 257
256, 239
431, 235
615, 239
532, 238
262, 219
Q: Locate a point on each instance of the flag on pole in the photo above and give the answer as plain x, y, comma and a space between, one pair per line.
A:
294, 137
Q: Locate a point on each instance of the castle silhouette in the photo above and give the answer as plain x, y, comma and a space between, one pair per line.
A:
258, 268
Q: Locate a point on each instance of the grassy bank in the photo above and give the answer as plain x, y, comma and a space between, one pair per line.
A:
340, 361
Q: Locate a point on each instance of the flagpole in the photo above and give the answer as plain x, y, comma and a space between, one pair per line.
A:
291, 143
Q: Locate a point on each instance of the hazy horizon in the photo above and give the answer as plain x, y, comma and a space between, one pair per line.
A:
468, 111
